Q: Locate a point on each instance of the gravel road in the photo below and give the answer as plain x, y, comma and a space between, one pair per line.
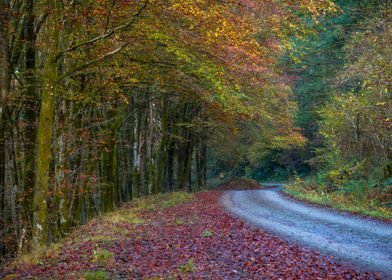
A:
365, 243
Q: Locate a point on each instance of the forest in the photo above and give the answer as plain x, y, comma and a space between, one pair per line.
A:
106, 101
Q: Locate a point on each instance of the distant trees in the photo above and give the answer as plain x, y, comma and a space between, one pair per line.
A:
343, 91
338, 67
357, 122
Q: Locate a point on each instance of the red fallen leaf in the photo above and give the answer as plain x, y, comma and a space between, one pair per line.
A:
160, 249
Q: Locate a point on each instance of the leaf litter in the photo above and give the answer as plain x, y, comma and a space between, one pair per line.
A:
207, 244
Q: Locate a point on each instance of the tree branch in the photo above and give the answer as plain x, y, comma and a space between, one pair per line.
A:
40, 22
107, 34
92, 62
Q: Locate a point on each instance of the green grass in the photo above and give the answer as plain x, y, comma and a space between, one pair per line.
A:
36, 256
102, 256
179, 221
124, 215
173, 199
341, 201
95, 275
189, 266
208, 233
160, 201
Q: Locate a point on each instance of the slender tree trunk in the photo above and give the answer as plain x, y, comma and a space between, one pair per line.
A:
203, 160
162, 149
130, 155
201, 153
30, 109
188, 166
150, 149
4, 56
169, 168
4, 92
138, 151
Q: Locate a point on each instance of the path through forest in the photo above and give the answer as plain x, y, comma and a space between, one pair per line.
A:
193, 239
364, 242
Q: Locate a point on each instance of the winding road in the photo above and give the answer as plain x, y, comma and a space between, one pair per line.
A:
365, 243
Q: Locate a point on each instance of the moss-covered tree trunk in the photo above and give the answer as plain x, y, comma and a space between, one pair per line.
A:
45, 129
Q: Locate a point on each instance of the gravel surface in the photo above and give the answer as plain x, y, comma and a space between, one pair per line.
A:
367, 244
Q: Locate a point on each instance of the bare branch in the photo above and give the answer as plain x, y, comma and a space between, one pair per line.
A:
40, 22
92, 62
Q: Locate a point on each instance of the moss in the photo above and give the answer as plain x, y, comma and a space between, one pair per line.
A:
45, 132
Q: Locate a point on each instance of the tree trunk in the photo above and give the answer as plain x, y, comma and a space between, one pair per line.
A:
45, 130
163, 151
201, 154
30, 109
4, 87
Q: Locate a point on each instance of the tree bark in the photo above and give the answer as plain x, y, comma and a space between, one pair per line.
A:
29, 107
45, 129
4, 56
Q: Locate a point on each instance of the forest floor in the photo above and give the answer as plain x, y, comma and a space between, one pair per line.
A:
178, 236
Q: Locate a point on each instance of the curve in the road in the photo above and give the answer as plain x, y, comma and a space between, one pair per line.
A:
365, 243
